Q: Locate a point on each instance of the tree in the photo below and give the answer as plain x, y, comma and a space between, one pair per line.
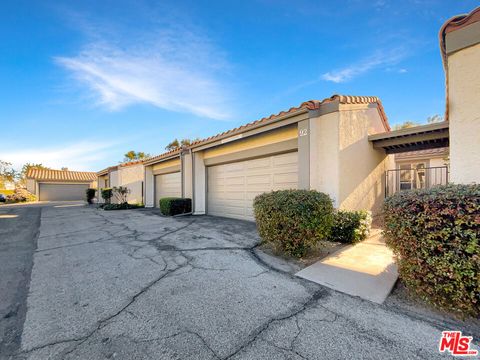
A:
405, 125
7, 173
133, 155
175, 144
25, 168
434, 119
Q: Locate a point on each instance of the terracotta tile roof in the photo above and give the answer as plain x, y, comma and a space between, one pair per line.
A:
61, 175
307, 105
455, 23
157, 158
444, 151
131, 163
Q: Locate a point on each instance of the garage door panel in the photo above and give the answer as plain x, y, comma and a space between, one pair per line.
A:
258, 163
62, 192
286, 159
236, 180
243, 181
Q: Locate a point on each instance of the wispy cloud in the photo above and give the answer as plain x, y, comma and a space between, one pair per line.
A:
75, 156
175, 70
379, 59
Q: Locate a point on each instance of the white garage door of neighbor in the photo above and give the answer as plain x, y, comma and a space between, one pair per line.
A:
62, 192
232, 187
167, 185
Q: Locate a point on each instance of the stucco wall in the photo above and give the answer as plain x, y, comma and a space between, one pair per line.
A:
187, 175
132, 178
149, 187
324, 156
31, 186
199, 184
272, 137
361, 167
464, 114
166, 164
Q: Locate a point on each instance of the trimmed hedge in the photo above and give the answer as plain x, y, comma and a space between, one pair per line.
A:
122, 206
174, 206
435, 236
293, 220
106, 194
90, 194
351, 227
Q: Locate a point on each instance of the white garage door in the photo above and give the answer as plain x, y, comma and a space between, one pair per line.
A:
62, 192
167, 185
232, 187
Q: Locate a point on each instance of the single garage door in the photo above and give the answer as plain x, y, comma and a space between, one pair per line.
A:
62, 192
167, 185
232, 187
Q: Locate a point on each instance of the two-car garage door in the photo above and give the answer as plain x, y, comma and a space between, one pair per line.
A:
232, 187
167, 185
62, 192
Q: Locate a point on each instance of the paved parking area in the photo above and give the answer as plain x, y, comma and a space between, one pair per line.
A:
134, 285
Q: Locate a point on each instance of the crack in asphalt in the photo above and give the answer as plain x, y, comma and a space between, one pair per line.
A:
100, 324
184, 252
261, 329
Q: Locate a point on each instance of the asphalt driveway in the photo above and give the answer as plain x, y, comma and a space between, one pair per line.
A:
134, 285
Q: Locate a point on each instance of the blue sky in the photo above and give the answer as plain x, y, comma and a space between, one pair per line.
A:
83, 82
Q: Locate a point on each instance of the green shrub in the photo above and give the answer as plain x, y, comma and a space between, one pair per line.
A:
435, 235
122, 206
90, 194
174, 206
107, 194
293, 220
351, 227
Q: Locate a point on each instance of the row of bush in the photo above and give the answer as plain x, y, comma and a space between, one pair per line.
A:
295, 221
435, 235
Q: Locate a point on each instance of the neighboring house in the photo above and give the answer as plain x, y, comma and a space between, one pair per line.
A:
321, 145
59, 185
460, 47
163, 177
129, 175
418, 170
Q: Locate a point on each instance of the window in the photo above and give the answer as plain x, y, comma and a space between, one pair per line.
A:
412, 176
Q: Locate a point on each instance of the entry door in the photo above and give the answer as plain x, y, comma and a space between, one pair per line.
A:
167, 185
232, 187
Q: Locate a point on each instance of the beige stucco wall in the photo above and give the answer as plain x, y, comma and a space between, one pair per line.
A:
199, 184
271, 137
166, 164
324, 170
187, 175
343, 163
132, 178
149, 187
464, 114
361, 167
31, 186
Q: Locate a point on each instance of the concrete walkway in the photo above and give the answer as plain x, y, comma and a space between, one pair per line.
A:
366, 270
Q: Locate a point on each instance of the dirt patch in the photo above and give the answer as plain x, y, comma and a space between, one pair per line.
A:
321, 251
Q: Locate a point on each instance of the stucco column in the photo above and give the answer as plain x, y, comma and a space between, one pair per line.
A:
199, 184
187, 179
149, 187
324, 157
304, 154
